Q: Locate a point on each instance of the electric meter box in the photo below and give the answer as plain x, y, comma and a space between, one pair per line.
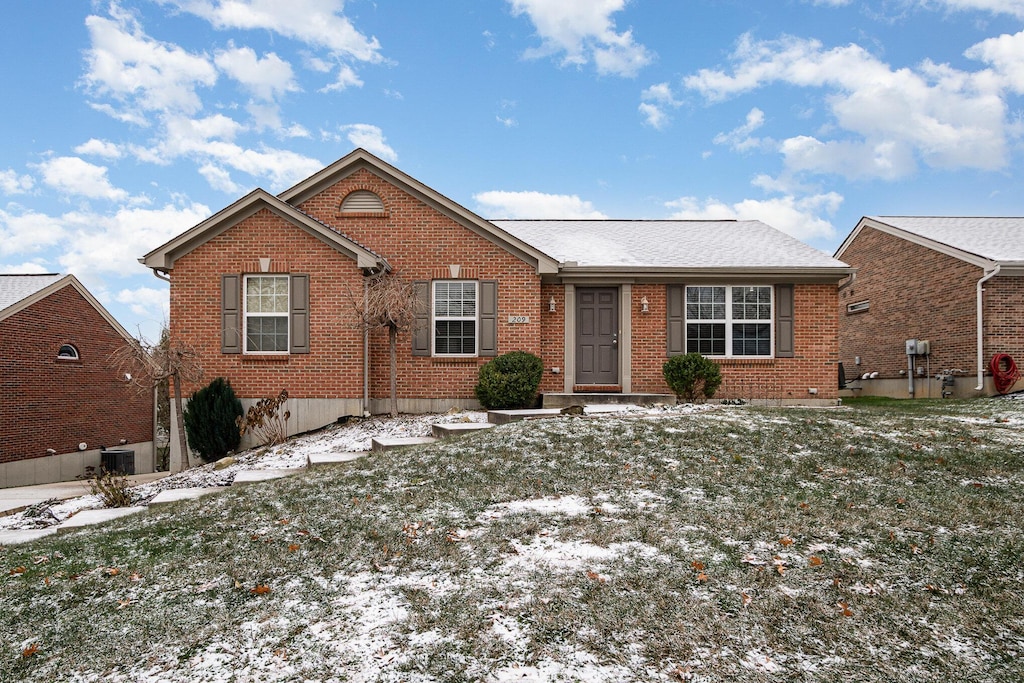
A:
917, 347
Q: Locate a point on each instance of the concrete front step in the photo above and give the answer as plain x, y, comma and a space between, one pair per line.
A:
386, 443
174, 495
501, 417
249, 476
321, 459
443, 431
90, 517
16, 536
564, 400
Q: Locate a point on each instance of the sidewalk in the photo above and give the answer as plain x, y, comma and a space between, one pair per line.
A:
18, 498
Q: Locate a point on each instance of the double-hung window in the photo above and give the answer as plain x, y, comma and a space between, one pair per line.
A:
455, 317
729, 320
266, 313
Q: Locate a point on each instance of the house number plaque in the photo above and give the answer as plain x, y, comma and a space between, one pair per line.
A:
518, 319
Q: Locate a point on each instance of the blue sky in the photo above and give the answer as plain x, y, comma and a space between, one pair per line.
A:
125, 123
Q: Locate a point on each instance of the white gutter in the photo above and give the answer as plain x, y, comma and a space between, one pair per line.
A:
981, 339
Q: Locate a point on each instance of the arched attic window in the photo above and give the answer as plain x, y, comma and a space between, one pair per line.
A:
67, 352
362, 201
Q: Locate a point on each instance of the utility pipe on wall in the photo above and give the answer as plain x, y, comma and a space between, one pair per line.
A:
981, 332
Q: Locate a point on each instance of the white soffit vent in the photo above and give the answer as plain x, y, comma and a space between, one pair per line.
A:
362, 201
858, 306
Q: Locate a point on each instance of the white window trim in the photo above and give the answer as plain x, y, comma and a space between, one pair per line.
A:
245, 316
434, 318
74, 352
729, 321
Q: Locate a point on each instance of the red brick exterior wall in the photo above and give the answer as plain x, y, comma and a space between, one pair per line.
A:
51, 403
813, 365
419, 242
1004, 318
915, 293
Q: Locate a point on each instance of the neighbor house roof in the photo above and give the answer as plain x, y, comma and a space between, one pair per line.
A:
983, 241
18, 292
15, 288
672, 246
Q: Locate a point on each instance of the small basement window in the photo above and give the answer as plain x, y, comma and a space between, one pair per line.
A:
68, 352
858, 307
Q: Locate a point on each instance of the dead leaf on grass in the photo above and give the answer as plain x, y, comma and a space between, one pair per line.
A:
261, 589
30, 650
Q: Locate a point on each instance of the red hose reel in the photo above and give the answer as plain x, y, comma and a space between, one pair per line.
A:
1004, 371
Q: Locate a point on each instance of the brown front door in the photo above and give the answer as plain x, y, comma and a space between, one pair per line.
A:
597, 335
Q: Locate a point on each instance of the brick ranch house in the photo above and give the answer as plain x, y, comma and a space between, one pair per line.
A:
956, 283
263, 287
63, 401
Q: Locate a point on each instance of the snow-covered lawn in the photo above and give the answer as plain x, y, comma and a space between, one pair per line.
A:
731, 543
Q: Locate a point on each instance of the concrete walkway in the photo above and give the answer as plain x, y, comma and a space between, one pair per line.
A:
18, 498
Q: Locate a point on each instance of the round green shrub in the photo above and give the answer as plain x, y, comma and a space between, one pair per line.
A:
692, 377
509, 381
210, 416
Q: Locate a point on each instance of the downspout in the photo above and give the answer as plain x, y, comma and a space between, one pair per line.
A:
157, 274
853, 278
981, 339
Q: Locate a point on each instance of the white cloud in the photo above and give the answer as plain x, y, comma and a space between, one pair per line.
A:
319, 23
584, 31
739, 139
504, 204
347, 78
1005, 54
26, 268
1012, 7
110, 244
655, 102
508, 122
146, 302
99, 148
893, 117
267, 78
74, 176
799, 217
139, 72
219, 179
831, 3
28, 232
370, 138
12, 183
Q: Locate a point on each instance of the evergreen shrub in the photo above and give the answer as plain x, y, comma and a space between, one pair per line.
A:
692, 377
510, 381
210, 417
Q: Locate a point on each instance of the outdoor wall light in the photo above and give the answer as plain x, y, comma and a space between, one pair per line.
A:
645, 305
551, 304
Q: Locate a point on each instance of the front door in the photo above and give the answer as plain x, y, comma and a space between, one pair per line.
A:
597, 335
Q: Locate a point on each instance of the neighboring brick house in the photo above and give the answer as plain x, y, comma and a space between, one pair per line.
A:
63, 401
603, 303
954, 282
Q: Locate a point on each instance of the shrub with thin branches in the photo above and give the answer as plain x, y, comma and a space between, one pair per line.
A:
267, 421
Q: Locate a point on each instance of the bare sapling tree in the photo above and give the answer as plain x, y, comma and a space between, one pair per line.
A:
386, 302
145, 365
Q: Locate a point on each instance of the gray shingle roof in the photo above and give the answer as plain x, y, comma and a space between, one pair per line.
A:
996, 239
14, 288
668, 244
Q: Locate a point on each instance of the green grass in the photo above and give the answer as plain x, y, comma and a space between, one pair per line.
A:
874, 542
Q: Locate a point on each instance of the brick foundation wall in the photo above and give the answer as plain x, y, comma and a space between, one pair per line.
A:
915, 293
58, 404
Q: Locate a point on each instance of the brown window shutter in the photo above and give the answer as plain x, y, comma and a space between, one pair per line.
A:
784, 313
488, 318
298, 314
421, 321
230, 315
676, 310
